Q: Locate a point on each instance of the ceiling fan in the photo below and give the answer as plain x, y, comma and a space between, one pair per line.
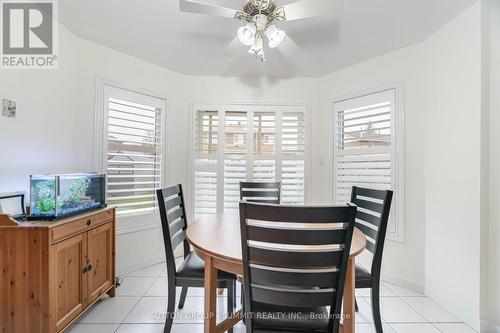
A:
261, 17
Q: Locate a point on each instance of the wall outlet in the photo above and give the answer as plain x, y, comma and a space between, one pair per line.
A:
9, 108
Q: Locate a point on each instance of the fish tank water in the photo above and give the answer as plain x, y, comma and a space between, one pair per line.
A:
62, 195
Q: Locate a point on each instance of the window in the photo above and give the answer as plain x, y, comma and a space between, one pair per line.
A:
259, 144
133, 149
366, 154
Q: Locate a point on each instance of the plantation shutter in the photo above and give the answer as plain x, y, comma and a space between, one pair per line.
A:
135, 144
264, 151
364, 144
233, 144
293, 144
235, 157
205, 164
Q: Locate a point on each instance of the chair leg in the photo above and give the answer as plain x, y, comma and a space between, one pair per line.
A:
170, 308
376, 307
230, 300
182, 300
356, 308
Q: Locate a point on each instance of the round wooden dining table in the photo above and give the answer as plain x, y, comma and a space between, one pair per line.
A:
217, 240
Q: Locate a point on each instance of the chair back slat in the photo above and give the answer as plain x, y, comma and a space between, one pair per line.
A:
293, 297
308, 237
174, 223
308, 278
372, 219
296, 256
261, 192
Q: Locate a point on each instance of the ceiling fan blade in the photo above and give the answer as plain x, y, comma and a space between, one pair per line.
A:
310, 8
199, 7
233, 48
288, 47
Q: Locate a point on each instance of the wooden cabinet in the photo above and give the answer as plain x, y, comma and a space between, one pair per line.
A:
51, 272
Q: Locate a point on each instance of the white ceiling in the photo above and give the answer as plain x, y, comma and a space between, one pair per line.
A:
157, 31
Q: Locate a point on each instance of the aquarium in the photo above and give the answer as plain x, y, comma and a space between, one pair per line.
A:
57, 196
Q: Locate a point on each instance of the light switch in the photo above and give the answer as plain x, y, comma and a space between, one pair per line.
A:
8, 108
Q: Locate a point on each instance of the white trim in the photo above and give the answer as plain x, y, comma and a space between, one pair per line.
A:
404, 283
399, 149
222, 107
487, 326
136, 222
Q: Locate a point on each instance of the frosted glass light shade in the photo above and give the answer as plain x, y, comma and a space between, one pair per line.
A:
246, 34
275, 36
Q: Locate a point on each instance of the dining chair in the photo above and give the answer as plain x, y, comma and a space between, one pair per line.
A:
261, 192
191, 271
372, 218
295, 261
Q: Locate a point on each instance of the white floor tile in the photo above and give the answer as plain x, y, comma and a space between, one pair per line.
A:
400, 291
110, 310
414, 328
384, 292
370, 328
150, 310
454, 328
134, 286
364, 315
93, 328
431, 311
191, 328
140, 328
151, 271
160, 288
394, 310
194, 309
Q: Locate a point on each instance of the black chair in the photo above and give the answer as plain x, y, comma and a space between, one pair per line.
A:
372, 218
260, 192
295, 262
192, 270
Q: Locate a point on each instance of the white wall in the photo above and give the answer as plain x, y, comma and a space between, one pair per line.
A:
399, 67
135, 248
41, 138
452, 165
493, 287
441, 76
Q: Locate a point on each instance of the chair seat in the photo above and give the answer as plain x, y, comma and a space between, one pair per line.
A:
193, 267
363, 277
268, 318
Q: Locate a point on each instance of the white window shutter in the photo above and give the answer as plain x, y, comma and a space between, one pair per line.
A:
255, 143
134, 154
364, 147
206, 143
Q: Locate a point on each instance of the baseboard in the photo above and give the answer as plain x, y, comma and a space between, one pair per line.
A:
488, 326
124, 270
402, 282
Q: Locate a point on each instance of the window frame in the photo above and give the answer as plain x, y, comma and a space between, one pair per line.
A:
139, 221
221, 108
397, 151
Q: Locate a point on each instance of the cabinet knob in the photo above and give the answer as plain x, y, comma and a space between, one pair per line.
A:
89, 222
84, 270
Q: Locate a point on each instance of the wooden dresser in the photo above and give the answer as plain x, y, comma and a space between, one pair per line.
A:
51, 272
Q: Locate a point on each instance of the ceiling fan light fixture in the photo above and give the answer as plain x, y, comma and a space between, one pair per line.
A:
246, 34
275, 36
257, 48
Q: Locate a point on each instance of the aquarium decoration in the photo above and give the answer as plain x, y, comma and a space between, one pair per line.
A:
57, 196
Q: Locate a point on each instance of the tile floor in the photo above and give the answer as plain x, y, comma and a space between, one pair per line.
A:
141, 301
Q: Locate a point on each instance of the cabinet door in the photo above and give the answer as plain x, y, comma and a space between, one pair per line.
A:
100, 258
68, 280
